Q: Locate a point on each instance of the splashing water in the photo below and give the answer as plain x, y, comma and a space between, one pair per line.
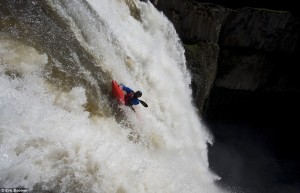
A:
58, 130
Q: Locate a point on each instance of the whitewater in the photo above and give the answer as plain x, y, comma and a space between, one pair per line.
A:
60, 130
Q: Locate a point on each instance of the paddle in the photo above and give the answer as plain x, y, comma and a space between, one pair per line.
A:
132, 108
143, 103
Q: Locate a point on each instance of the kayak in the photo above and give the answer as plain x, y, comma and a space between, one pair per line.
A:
117, 92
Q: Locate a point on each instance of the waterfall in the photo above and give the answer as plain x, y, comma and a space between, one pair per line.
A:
59, 131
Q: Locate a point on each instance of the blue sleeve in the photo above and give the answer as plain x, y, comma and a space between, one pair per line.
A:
127, 89
135, 101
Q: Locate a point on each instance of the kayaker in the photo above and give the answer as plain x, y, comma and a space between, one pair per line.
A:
131, 97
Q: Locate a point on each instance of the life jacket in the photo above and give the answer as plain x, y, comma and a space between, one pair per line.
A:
128, 98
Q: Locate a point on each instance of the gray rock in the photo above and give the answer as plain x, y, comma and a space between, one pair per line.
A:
247, 49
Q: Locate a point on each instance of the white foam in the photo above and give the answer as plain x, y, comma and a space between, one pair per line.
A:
48, 138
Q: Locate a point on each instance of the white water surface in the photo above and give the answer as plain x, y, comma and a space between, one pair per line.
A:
49, 141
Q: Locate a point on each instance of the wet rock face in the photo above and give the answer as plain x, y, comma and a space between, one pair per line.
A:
195, 22
202, 62
245, 82
259, 29
246, 49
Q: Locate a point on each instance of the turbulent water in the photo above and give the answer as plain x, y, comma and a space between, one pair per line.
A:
59, 131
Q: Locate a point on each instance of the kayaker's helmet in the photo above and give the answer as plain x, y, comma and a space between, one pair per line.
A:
138, 94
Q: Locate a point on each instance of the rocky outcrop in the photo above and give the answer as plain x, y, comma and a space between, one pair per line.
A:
258, 51
255, 28
203, 67
195, 22
246, 49
259, 29
199, 28
246, 85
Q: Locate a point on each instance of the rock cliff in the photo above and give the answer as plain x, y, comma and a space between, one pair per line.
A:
246, 86
247, 50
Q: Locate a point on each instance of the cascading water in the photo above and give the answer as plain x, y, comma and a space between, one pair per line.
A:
58, 129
